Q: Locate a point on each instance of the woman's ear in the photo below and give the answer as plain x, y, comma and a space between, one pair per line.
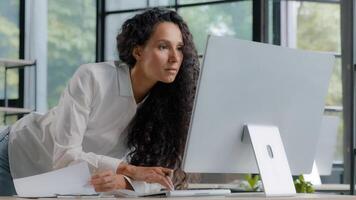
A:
137, 52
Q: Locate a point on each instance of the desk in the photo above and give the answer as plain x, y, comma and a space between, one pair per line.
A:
326, 188
338, 188
299, 196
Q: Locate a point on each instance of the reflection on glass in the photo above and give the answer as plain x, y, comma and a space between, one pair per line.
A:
113, 25
194, 1
112, 5
71, 41
318, 26
12, 84
228, 19
161, 3
11, 119
9, 44
334, 97
9, 29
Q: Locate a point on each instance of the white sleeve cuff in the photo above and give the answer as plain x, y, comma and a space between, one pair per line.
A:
142, 187
129, 181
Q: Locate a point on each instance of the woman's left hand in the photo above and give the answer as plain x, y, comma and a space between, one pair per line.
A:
108, 181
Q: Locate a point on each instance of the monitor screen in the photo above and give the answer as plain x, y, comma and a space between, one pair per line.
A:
243, 82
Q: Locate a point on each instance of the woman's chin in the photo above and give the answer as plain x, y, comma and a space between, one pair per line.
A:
169, 79
167, 82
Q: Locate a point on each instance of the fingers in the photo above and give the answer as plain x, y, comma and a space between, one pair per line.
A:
164, 171
107, 187
168, 175
159, 175
104, 181
165, 181
159, 171
170, 182
102, 177
167, 172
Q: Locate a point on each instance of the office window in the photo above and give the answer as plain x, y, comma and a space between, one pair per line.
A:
161, 2
115, 5
316, 26
9, 44
9, 29
112, 27
124, 4
228, 19
221, 18
71, 41
195, 1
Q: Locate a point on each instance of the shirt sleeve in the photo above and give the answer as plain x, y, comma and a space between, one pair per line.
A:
69, 126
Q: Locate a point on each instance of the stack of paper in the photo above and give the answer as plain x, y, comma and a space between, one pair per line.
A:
72, 180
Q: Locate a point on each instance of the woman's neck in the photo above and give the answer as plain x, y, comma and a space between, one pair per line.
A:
141, 85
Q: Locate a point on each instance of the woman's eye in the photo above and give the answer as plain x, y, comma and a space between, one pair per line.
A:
162, 47
180, 48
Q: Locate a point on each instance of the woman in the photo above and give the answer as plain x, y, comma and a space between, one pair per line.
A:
127, 120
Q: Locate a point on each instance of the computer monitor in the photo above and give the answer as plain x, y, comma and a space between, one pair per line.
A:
326, 147
325, 150
243, 82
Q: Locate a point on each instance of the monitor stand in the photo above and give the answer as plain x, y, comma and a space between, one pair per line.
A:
314, 176
271, 159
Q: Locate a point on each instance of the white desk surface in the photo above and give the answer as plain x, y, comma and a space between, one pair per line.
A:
299, 196
334, 187
318, 188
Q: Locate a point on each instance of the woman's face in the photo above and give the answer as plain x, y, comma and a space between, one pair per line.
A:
161, 57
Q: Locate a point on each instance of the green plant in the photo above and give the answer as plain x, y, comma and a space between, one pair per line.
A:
253, 182
302, 186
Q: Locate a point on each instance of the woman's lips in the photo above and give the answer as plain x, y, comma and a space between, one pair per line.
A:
171, 70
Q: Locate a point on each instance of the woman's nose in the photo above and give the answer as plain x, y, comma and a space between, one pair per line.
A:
174, 56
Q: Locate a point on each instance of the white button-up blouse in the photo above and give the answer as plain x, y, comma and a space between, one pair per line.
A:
89, 124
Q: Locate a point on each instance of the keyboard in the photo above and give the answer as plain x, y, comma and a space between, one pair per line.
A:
174, 193
198, 192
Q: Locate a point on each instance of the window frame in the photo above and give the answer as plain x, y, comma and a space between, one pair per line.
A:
348, 72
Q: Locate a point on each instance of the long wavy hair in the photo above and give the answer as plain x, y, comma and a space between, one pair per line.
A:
158, 131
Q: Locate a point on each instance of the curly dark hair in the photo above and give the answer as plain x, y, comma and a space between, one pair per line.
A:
159, 129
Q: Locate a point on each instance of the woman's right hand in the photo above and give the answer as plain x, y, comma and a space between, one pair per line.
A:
108, 181
159, 175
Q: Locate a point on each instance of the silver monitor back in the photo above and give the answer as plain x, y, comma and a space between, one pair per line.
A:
326, 147
244, 82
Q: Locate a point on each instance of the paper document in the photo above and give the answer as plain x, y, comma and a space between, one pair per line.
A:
174, 193
131, 193
72, 180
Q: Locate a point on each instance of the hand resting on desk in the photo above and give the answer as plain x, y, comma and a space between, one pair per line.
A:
159, 175
108, 180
